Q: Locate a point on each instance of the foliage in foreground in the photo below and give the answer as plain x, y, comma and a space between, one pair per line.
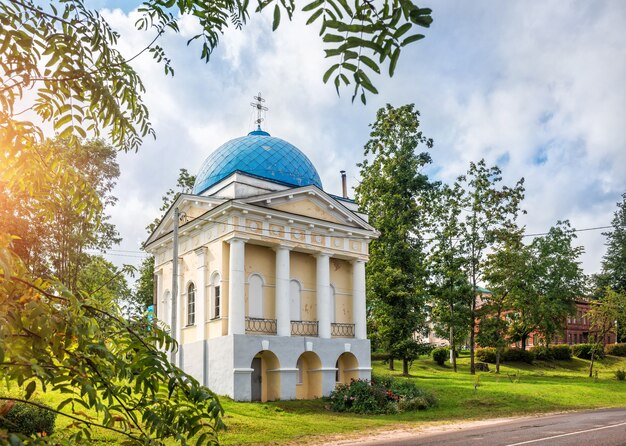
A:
27, 419
378, 396
114, 373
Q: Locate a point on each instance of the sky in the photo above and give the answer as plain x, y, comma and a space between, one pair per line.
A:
537, 88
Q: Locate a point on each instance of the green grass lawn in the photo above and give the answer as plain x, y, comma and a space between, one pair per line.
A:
519, 389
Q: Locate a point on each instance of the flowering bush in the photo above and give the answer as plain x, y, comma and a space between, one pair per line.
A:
380, 395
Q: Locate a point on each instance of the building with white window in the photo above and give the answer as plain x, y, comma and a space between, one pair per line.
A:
271, 275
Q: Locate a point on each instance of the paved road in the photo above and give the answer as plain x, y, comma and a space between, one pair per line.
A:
605, 427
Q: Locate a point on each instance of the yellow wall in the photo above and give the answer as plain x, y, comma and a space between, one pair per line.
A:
311, 386
303, 269
341, 279
270, 380
261, 260
346, 363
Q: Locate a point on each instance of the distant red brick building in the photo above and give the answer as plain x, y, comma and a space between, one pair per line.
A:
577, 329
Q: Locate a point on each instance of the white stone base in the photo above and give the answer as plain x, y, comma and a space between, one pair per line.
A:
224, 363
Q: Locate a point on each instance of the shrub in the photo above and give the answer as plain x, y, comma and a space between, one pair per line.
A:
487, 354
620, 374
441, 354
27, 419
561, 352
615, 349
517, 355
583, 351
380, 356
380, 395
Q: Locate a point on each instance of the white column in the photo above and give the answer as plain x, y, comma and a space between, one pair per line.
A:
200, 293
323, 295
358, 299
236, 300
283, 322
179, 314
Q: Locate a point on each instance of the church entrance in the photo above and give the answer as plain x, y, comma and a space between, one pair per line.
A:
257, 379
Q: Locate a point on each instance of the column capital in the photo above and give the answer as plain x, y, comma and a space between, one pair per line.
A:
322, 254
282, 248
237, 239
358, 261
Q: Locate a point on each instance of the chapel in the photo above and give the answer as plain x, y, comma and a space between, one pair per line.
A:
267, 296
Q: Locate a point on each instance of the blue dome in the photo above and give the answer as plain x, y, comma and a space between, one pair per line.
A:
261, 155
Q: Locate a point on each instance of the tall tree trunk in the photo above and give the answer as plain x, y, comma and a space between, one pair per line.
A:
391, 363
405, 367
452, 349
524, 338
498, 361
472, 337
593, 354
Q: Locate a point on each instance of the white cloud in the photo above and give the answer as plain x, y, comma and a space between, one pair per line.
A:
536, 86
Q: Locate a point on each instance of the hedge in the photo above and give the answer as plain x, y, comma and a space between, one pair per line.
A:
615, 349
508, 355
560, 352
583, 351
29, 420
441, 355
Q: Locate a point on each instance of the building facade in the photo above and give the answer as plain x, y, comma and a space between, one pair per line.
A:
270, 276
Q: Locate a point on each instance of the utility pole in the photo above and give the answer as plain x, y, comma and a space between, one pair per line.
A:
175, 285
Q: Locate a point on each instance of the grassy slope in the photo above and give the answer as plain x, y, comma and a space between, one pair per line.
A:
519, 389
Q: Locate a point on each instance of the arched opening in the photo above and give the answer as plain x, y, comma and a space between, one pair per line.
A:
347, 368
255, 296
216, 294
191, 304
265, 377
295, 291
309, 378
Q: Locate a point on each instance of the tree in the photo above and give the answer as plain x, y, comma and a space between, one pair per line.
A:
103, 281
57, 227
143, 293
614, 260
486, 209
66, 55
603, 315
557, 278
389, 193
449, 288
80, 347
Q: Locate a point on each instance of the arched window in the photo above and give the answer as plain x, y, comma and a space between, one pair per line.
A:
216, 293
294, 300
255, 296
191, 304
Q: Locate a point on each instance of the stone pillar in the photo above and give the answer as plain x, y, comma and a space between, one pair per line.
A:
323, 295
358, 299
179, 313
283, 322
200, 293
236, 300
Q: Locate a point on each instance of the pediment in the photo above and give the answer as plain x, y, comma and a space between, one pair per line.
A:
189, 207
311, 202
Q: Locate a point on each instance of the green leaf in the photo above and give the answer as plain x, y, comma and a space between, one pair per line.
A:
276, 18
329, 72
370, 63
314, 16
402, 30
333, 38
394, 61
311, 6
30, 388
411, 39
